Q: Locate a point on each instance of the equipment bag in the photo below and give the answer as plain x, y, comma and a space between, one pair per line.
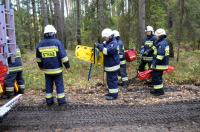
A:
130, 55
145, 75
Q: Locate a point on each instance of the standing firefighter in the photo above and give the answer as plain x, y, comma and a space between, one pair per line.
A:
122, 72
50, 55
148, 48
15, 74
111, 62
160, 62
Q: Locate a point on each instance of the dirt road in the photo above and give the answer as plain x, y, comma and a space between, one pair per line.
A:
169, 117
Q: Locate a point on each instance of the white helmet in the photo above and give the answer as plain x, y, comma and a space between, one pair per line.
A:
149, 29
160, 32
107, 32
116, 33
49, 29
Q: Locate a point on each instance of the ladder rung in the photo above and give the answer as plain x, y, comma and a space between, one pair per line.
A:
10, 28
7, 13
10, 43
7, 10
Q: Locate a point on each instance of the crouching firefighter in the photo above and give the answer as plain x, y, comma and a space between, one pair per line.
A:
147, 49
15, 74
160, 62
111, 62
122, 72
50, 55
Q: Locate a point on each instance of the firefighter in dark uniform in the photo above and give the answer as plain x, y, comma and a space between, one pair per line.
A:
147, 49
15, 74
160, 62
50, 55
122, 72
111, 62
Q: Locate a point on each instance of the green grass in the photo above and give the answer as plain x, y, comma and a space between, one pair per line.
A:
76, 76
187, 71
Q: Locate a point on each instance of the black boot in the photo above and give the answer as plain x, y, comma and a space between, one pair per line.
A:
110, 96
157, 92
21, 91
120, 84
9, 95
125, 87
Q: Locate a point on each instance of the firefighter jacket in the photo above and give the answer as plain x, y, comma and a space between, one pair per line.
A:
148, 48
50, 55
16, 64
161, 55
121, 52
111, 55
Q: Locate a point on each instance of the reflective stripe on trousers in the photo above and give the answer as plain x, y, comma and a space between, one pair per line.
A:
113, 68
14, 69
113, 91
160, 86
10, 89
123, 62
52, 71
49, 95
61, 95
125, 79
22, 86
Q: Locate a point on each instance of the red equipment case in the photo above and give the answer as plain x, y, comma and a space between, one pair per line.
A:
145, 75
130, 55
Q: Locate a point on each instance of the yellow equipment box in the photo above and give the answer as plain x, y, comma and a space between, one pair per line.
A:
85, 53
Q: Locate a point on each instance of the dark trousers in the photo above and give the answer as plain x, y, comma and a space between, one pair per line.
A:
112, 82
143, 64
123, 74
10, 80
58, 80
157, 79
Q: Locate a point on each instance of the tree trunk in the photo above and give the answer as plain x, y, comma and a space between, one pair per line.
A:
78, 23
181, 11
66, 5
18, 4
35, 22
63, 21
198, 47
52, 12
30, 29
100, 17
101, 14
171, 49
44, 13
58, 19
141, 21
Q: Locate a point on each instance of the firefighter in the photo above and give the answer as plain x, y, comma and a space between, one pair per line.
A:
147, 49
15, 74
122, 72
50, 55
160, 62
111, 62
